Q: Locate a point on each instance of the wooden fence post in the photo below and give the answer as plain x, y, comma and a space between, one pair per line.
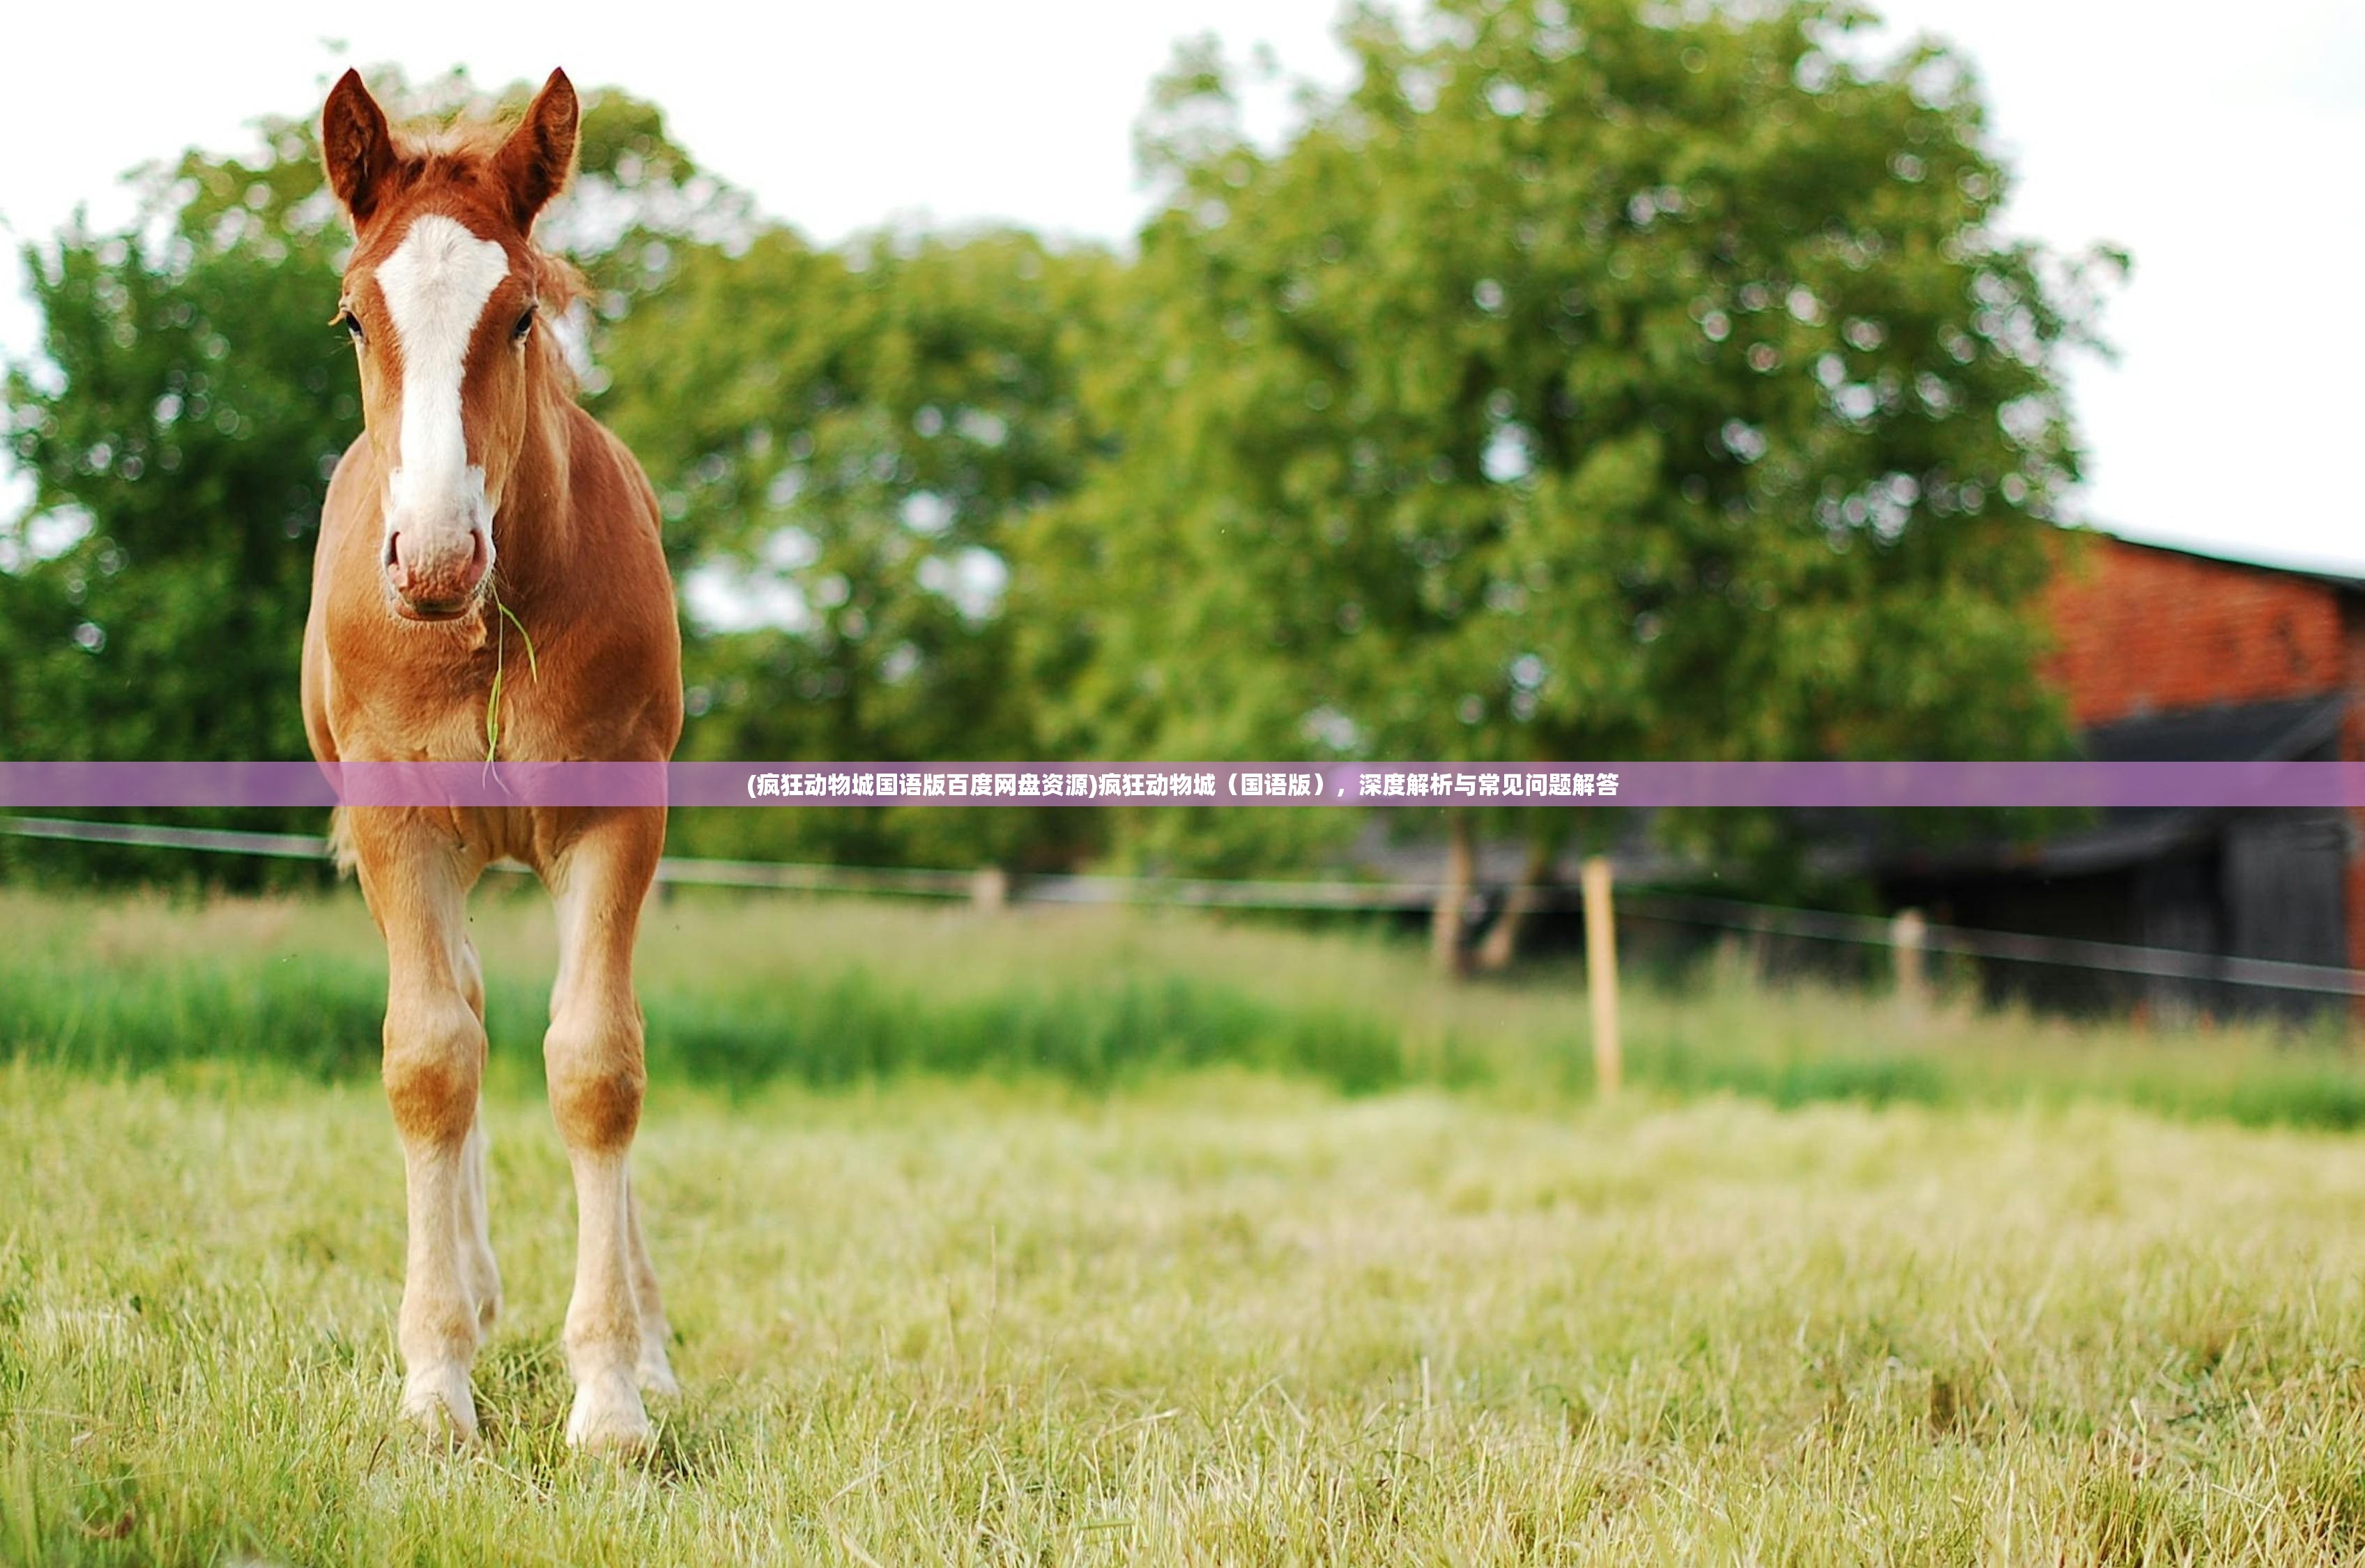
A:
1601, 977
989, 890
1909, 939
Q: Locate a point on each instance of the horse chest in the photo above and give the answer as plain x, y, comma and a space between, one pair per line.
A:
460, 703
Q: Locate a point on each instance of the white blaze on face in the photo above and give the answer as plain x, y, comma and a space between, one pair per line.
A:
436, 284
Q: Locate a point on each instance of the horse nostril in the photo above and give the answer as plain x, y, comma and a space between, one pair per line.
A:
480, 559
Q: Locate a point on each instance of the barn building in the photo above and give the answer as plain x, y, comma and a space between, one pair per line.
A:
2162, 654
2166, 654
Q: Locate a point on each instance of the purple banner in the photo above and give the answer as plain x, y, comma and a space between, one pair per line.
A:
97, 785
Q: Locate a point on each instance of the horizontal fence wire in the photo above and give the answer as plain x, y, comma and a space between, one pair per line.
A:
2071, 952
1273, 893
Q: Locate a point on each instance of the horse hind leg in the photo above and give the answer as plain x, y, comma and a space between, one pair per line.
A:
655, 1369
479, 1270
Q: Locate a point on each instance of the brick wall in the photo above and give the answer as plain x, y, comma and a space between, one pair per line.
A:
2144, 631
2352, 748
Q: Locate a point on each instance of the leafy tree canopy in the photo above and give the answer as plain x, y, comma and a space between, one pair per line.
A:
847, 442
183, 415
1587, 380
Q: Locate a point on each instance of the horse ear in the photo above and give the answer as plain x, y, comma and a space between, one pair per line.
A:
535, 163
355, 147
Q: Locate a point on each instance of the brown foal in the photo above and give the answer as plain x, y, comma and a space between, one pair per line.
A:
481, 513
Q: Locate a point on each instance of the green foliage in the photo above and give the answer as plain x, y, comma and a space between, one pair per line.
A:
181, 419
1588, 380
180, 425
179, 435
845, 443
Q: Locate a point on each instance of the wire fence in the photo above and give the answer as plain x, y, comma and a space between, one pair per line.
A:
1204, 892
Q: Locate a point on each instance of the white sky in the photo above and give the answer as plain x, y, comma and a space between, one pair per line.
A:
2226, 158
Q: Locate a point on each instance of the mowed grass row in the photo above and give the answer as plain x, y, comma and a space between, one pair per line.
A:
1222, 1318
741, 992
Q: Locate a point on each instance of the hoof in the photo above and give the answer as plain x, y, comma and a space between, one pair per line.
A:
608, 1418
436, 1400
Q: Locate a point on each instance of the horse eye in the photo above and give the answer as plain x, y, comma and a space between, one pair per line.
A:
524, 325
351, 324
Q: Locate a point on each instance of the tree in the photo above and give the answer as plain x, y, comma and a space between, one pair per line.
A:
1590, 379
184, 411
844, 442
178, 438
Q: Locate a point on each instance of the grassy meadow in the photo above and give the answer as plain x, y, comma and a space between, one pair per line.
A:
1065, 1236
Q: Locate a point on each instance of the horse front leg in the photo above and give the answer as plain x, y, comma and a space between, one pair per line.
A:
594, 1059
416, 881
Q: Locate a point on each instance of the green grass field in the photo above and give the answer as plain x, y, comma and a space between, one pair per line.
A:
1064, 1237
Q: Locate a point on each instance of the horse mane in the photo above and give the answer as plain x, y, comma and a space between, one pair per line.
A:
472, 142
558, 285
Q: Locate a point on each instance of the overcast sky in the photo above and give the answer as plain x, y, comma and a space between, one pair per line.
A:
2221, 149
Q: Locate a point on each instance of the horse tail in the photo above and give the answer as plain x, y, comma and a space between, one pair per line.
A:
340, 841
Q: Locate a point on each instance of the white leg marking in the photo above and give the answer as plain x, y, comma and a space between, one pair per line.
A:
438, 1323
603, 1331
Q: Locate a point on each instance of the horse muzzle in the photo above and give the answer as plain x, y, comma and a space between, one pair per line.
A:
438, 574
